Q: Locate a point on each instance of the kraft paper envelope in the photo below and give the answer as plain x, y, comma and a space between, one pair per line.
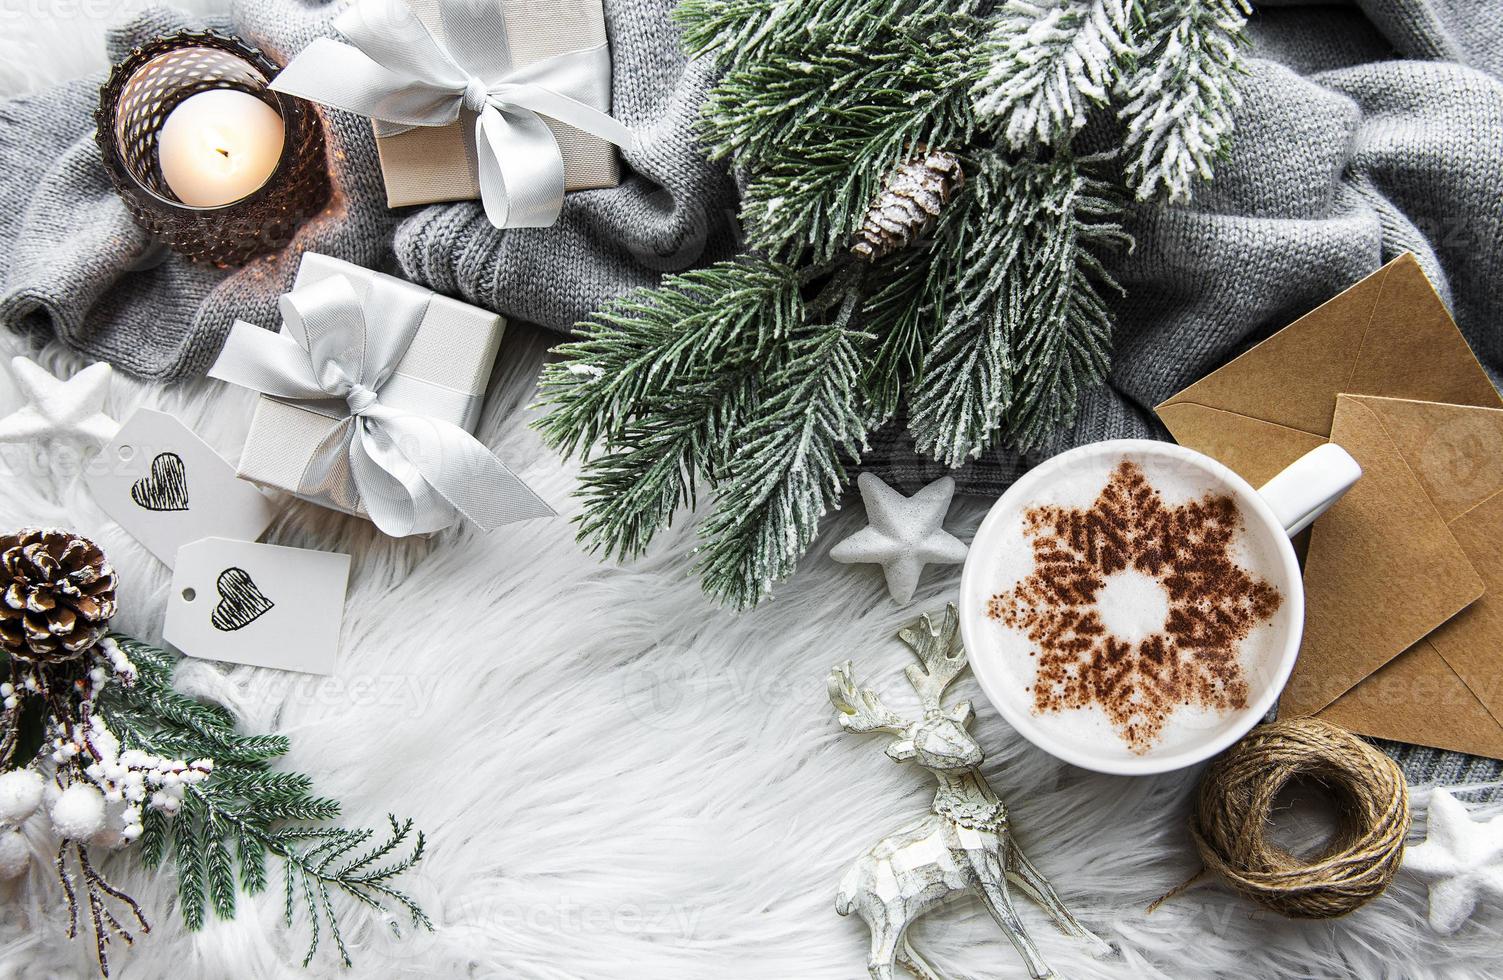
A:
1404, 580
1389, 337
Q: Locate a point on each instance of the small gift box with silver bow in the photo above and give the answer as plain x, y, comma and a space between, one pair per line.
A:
370, 394
507, 101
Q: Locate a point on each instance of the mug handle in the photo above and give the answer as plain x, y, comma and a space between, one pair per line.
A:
1304, 489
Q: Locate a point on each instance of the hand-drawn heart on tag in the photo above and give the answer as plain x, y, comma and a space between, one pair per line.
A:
241, 601
239, 625
165, 487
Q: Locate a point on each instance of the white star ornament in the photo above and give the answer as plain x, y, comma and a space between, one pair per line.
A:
57, 409
903, 534
1461, 859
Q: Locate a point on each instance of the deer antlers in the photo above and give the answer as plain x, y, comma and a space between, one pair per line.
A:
942, 656
941, 652
860, 708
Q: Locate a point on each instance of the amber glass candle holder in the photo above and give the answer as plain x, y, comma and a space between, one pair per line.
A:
134, 105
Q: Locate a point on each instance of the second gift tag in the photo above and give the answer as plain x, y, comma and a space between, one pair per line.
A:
257, 604
167, 487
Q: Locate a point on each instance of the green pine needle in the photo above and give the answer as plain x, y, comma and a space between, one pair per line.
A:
742, 31
905, 301
188, 852
690, 325
217, 863
252, 854
153, 838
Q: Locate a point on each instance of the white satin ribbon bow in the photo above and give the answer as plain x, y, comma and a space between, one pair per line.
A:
400, 75
410, 471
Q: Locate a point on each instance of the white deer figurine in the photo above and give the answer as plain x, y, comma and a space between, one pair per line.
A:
963, 846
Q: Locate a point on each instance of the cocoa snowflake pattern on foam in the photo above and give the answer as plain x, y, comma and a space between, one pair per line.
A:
1213, 603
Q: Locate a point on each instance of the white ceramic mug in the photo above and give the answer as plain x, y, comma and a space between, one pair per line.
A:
1281, 508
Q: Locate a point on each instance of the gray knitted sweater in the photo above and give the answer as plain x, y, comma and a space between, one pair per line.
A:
73, 264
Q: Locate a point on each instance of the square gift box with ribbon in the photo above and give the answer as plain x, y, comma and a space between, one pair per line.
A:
506, 101
370, 393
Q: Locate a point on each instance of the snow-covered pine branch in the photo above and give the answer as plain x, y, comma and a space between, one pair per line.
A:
1050, 61
1181, 94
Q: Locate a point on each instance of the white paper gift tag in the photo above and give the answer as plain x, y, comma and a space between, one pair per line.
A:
258, 604
167, 487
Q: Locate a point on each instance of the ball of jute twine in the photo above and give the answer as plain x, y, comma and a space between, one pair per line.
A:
1236, 797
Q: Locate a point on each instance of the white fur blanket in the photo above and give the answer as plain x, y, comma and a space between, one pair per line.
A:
617, 780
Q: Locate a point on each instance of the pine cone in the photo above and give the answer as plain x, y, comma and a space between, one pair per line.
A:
59, 592
911, 200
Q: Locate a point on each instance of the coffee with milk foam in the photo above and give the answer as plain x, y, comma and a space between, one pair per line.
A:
1132, 605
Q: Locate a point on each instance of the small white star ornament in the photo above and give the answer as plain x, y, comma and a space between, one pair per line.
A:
1461, 859
57, 409
903, 534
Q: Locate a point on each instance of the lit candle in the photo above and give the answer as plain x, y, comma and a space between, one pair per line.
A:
218, 147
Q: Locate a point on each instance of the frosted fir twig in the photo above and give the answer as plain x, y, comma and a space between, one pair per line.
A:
818, 127
1026, 327
1181, 94
789, 471
1050, 62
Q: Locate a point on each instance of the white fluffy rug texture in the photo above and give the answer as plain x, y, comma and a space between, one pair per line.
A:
618, 780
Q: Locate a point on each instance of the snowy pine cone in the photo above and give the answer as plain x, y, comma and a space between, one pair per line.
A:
59, 592
914, 195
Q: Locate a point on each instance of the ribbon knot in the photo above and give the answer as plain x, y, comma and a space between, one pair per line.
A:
360, 399
396, 71
476, 94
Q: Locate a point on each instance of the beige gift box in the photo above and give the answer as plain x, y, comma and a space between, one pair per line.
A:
448, 362
429, 164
